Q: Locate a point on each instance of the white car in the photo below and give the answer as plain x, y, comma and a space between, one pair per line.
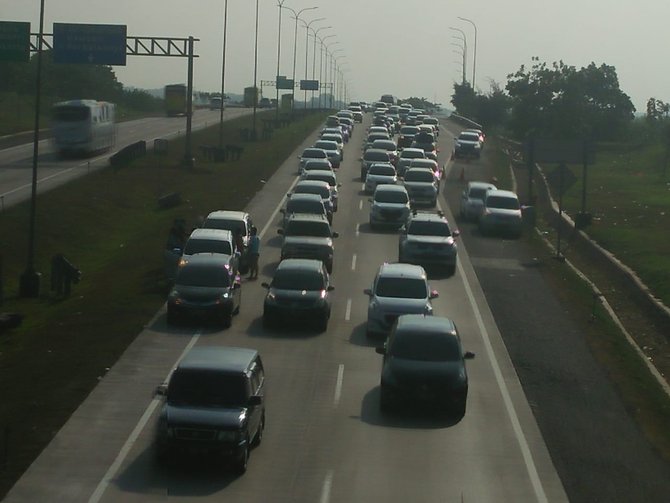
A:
472, 199
379, 174
390, 207
501, 213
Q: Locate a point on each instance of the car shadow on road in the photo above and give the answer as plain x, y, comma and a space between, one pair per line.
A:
182, 475
285, 331
359, 337
404, 417
274, 241
367, 229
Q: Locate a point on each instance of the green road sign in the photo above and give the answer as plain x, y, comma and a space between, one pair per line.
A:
14, 41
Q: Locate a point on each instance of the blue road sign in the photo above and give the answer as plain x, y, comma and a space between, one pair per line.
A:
14, 41
309, 85
95, 44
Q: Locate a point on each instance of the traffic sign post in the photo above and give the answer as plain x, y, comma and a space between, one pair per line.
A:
14, 41
95, 44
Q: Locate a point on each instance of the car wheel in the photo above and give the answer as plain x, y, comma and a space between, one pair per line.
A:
227, 319
242, 460
172, 318
268, 322
385, 401
323, 322
259, 434
451, 270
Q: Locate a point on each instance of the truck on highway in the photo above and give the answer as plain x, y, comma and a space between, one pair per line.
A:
215, 102
175, 100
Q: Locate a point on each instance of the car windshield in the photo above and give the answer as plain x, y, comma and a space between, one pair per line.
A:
429, 228
384, 144
391, 197
419, 175
382, 169
376, 156
412, 154
226, 224
469, 137
329, 179
321, 190
426, 347
504, 203
297, 206
198, 388
207, 276
308, 228
478, 193
405, 288
331, 137
207, 246
298, 280
314, 153
409, 130
326, 145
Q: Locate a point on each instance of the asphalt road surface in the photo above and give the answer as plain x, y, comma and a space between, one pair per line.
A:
326, 439
16, 162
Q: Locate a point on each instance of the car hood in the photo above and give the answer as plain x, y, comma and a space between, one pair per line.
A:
200, 292
413, 238
420, 372
216, 417
401, 305
389, 206
310, 240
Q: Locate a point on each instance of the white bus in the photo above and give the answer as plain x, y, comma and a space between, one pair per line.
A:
83, 127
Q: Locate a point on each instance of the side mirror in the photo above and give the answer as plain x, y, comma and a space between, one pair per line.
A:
380, 350
368, 291
456, 233
469, 355
237, 285
265, 284
288, 194
330, 288
434, 294
255, 400
161, 390
335, 234
280, 231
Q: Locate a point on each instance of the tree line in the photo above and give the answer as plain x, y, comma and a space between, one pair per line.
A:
556, 100
62, 82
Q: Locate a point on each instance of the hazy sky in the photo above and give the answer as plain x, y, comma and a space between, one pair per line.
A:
385, 46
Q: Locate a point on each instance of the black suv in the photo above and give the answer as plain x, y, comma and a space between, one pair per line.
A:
424, 363
308, 236
300, 290
214, 403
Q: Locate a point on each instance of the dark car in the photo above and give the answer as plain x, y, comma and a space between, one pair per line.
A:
467, 144
214, 404
407, 134
303, 203
424, 141
299, 290
308, 236
206, 285
427, 239
372, 156
424, 363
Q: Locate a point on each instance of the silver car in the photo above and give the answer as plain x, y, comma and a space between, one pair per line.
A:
390, 206
472, 199
397, 289
379, 174
501, 213
421, 186
428, 240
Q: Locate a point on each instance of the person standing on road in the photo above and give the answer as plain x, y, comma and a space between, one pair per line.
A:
254, 252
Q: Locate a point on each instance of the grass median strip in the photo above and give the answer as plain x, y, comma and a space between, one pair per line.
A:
110, 225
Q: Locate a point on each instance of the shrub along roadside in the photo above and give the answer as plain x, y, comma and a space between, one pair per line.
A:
107, 223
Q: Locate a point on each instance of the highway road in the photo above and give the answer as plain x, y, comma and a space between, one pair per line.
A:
16, 162
325, 440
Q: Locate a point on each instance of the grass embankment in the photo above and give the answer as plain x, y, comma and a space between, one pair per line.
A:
109, 224
625, 192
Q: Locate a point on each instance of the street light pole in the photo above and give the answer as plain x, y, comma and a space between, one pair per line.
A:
316, 34
474, 55
307, 26
280, 3
465, 49
462, 53
255, 75
223, 72
322, 75
296, 16
29, 282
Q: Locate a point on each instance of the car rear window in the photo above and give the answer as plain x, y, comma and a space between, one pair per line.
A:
381, 169
391, 197
405, 288
419, 228
307, 228
198, 388
425, 347
501, 202
207, 246
225, 224
315, 207
419, 175
206, 276
376, 156
298, 280
321, 190
314, 153
477, 193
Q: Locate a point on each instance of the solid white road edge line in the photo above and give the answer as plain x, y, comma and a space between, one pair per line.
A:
338, 385
347, 313
325, 490
128, 445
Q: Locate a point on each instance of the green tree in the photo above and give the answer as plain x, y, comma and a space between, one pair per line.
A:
464, 100
561, 101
